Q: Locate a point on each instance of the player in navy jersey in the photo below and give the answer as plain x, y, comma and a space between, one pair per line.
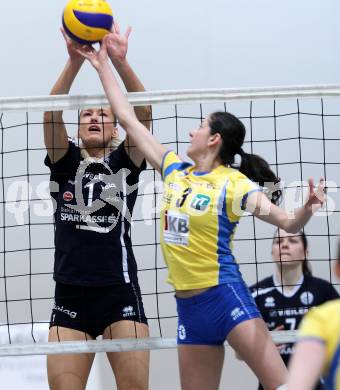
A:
94, 185
292, 290
317, 351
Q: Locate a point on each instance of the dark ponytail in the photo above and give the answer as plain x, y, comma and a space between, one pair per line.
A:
258, 170
233, 132
306, 267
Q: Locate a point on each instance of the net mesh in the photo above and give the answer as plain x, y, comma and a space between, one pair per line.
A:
295, 129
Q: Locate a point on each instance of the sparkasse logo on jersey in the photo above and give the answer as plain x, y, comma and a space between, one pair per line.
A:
67, 196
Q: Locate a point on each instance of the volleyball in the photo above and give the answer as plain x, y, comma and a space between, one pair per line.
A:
87, 21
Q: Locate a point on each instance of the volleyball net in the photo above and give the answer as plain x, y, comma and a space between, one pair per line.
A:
296, 129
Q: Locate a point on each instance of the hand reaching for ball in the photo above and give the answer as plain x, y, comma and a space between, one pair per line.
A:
98, 58
72, 47
117, 44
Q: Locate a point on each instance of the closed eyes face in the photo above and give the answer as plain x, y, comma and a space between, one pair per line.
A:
288, 247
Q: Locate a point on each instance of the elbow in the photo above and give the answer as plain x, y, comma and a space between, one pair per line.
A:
52, 117
147, 112
292, 230
290, 227
144, 115
48, 117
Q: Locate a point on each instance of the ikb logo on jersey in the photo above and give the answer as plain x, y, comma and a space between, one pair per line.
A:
176, 228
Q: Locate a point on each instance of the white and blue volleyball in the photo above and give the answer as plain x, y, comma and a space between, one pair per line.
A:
87, 21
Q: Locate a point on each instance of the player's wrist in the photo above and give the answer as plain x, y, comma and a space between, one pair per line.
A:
102, 67
308, 209
119, 63
76, 62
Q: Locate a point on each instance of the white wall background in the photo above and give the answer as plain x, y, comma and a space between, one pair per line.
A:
182, 44
179, 45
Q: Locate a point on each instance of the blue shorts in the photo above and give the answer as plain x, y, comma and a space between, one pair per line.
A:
208, 318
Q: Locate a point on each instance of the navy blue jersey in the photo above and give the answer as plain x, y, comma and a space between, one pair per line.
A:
94, 200
281, 308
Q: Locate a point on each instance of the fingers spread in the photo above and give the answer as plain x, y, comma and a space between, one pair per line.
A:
116, 28
104, 42
64, 34
321, 185
85, 50
128, 32
321, 190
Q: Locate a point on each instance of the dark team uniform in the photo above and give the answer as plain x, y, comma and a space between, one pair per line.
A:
279, 308
94, 200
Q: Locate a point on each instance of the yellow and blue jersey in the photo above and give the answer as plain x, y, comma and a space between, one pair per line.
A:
323, 323
199, 215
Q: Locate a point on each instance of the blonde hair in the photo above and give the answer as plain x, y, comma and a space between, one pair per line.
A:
113, 145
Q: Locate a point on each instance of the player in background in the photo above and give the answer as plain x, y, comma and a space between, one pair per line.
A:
317, 351
284, 297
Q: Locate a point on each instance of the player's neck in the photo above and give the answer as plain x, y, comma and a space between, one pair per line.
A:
288, 277
206, 163
95, 153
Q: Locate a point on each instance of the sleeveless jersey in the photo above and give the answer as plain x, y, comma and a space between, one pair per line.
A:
94, 200
199, 216
323, 323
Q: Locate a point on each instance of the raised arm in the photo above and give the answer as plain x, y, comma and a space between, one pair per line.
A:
137, 132
55, 134
117, 47
260, 206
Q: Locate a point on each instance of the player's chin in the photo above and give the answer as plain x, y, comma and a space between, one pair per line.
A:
290, 261
96, 135
190, 151
95, 141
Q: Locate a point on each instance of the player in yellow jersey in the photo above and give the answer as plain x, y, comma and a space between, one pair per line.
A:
318, 349
201, 208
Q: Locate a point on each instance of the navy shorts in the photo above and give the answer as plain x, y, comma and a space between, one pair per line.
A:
207, 318
93, 309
